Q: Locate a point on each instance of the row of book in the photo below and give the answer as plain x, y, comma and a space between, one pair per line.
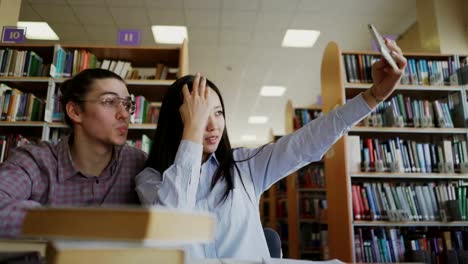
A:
312, 208
8, 142
283, 232
311, 176
125, 70
399, 155
146, 112
358, 68
432, 72
18, 106
404, 111
266, 212
69, 62
282, 208
122, 68
281, 187
57, 111
396, 245
313, 237
431, 201
144, 143
304, 116
462, 75
19, 63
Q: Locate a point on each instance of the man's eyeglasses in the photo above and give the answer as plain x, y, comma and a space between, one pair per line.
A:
114, 102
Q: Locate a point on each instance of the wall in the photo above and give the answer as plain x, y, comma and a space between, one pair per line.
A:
410, 40
452, 26
9, 12
442, 27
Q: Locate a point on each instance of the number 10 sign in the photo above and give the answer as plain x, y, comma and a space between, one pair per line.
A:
13, 35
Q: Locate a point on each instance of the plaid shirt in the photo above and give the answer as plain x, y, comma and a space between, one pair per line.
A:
45, 175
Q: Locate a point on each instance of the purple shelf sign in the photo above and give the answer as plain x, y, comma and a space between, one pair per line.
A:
13, 35
129, 37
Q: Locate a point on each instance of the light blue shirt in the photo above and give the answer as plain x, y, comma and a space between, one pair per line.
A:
186, 184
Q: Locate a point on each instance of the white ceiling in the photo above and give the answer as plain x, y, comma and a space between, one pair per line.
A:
236, 43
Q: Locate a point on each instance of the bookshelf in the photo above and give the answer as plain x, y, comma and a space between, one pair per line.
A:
307, 193
295, 202
358, 202
53, 64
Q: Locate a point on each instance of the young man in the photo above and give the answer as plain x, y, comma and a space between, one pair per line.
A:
91, 167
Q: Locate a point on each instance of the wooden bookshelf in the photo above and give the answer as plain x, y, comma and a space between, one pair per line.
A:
174, 56
22, 123
411, 223
413, 176
403, 130
288, 192
336, 90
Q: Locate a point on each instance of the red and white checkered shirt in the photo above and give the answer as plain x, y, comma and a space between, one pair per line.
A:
44, 175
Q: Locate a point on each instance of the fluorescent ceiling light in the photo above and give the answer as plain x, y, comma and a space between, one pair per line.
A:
169, 34
258, 119
272, 91
248, 137
297, 38
38, 30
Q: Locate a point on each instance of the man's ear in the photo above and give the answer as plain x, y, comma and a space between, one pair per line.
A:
73, 110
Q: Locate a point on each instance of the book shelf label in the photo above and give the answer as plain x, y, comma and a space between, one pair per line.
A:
398, 121
464, 167
405, 79
426, 121
53, 70
398, 216
129, 37
396, 166
446, 167
454, 79
13, 34
50, 101
379, 166
377, 120
443, 215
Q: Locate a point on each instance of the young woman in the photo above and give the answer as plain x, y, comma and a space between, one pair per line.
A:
90, 167
192, 165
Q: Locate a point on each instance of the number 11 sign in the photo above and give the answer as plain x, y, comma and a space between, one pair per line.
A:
129, 37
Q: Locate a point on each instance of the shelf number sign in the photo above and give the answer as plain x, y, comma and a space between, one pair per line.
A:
13, 35
129, 37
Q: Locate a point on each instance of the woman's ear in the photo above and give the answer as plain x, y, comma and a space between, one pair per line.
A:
73, 111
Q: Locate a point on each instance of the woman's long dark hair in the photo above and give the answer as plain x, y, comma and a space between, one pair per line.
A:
169, 134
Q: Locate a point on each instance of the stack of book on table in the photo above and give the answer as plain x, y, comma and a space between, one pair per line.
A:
116, 234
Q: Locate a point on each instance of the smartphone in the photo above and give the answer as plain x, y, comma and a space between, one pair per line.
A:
382, 47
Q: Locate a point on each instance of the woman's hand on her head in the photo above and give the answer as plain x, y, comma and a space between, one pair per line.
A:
195, 109
385, 77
